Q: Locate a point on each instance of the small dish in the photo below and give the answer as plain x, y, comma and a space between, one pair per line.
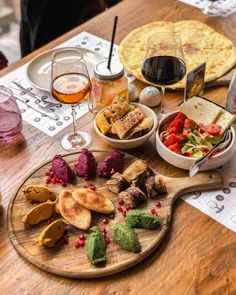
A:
38, 70
129, 143
187, 162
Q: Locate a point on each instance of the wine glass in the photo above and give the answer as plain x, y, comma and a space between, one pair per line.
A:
70, 84
164, 63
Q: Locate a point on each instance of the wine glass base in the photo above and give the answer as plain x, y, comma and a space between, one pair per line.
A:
71, 143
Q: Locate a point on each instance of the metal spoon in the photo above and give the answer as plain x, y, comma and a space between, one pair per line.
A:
227, 137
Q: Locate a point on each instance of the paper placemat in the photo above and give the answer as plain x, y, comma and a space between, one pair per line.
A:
39, 121
219, 204
214, 8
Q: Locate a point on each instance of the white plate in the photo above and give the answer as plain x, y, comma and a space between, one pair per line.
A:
39, 69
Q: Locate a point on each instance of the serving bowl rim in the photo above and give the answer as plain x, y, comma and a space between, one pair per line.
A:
191, 158
133, 140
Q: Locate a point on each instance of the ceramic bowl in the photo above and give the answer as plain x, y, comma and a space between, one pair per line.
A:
130, 143
186, 162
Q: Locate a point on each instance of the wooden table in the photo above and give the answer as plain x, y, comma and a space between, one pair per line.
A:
198, 255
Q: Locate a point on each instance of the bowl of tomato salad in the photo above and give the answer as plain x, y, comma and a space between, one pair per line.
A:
180, 141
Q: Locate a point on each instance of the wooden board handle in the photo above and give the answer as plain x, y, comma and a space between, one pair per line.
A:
209, 180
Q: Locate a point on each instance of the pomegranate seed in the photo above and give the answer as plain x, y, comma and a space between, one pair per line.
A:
158, 204
49, 178
153, 211
49, 221
120, 209
124, 213
77, 244
48, 173
104, 231
86, 178
66, 240
53, 181
92, 187
112, 216
82, 237
51, 174
105, 221
120, 202
82, 243
107, 240
56, 179
127, 208
85, 186
47, 182
63, 184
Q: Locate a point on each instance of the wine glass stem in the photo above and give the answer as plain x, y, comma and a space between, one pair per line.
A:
74, 119
162, 99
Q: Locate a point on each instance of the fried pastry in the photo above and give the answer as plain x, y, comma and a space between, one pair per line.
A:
146, 124
73, 212
117, 109
123, 125
93, 201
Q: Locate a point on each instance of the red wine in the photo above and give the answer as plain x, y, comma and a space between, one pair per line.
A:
163, 70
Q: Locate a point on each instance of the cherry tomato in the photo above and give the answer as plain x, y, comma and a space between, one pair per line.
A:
188, 123
180, 116
213, 129
172, 139
175, 148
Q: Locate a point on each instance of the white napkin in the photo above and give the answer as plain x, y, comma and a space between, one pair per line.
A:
214, 8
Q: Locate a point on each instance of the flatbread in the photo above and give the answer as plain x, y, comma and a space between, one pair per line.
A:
93, 201
200, 43
73, 212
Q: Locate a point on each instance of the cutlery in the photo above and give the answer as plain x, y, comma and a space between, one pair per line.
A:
38, 107
227, 137
48, 104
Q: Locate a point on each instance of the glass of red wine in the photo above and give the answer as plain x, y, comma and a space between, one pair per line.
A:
164, 64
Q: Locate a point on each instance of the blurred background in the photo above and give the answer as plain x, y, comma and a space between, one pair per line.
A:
9, 29
10, 17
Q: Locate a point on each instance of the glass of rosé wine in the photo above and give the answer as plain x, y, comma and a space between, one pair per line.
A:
70, 84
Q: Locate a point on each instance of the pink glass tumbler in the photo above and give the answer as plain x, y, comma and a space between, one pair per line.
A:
10, 116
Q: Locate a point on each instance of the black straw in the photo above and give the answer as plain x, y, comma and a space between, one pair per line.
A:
112, 43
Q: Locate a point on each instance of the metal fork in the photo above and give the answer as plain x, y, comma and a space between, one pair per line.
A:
227, 137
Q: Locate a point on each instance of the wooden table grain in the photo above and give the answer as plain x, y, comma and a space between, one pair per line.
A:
197, 256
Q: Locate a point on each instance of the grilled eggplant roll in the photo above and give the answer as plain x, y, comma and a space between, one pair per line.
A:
135, 170
150, 187
133, 196
117, 183
160, 185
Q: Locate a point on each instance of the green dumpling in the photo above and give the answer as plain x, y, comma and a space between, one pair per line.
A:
126, 237
139, 218
96, 246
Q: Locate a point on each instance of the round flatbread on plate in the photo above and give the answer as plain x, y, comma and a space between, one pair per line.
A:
200, 43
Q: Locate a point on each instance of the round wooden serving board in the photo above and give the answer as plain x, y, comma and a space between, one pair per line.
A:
68, 261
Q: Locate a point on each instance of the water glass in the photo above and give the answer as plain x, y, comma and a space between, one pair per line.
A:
10, 116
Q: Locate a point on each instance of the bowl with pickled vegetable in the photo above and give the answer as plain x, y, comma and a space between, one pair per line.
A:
181, 141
